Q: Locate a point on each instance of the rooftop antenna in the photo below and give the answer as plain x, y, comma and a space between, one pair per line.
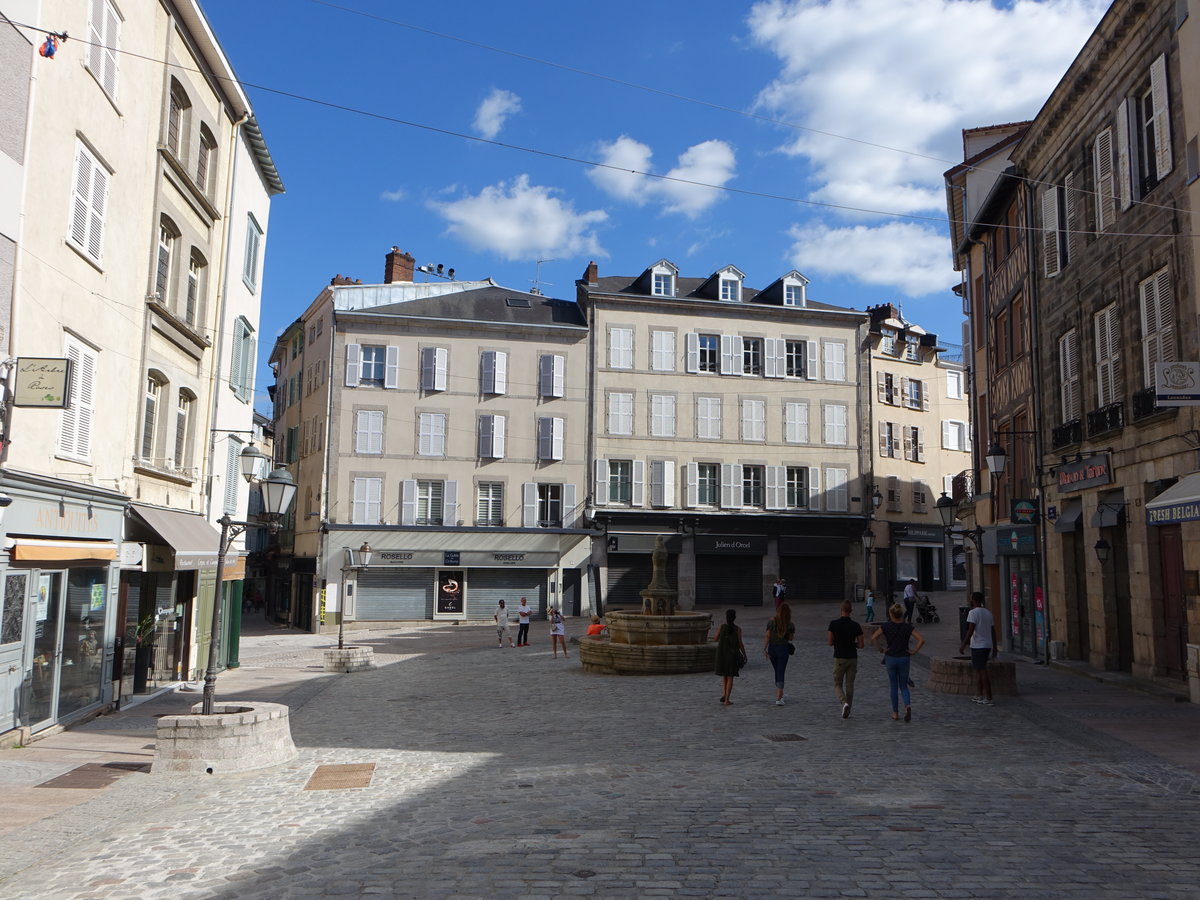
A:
537, 282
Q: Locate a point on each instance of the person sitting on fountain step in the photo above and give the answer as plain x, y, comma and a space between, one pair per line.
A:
597, 628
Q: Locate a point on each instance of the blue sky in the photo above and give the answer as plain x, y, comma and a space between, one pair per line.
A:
854, 104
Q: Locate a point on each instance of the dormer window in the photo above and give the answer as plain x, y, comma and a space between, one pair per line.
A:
664, 284
731, 289
887, 341
793, 295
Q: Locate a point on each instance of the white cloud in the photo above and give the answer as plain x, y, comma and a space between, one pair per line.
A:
912, 258
395, 196
906, 74
494, 111
709, 163
521, 221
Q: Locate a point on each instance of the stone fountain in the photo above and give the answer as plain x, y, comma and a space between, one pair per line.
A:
659, 640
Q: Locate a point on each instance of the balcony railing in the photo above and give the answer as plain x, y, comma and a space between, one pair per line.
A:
1145, 404
1105, 419
1066, 434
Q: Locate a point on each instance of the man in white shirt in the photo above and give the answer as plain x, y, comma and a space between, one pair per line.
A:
981, 633
501, 617
523, 612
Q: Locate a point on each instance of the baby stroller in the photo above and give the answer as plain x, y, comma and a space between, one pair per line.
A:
926, 611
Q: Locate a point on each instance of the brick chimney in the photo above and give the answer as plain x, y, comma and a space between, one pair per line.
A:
592, 275
342, 279
398, 267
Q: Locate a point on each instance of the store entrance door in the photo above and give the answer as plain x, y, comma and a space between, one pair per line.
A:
41, 694
12, 645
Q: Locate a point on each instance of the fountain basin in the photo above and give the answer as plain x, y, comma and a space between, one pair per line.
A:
607, 657
642, 630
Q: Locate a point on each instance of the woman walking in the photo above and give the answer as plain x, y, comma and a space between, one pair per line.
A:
896, 634
777, 646
558, 632
731, 654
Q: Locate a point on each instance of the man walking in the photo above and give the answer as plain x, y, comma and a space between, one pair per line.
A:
981, 633
846, 638
501, 617
780, 592
910, 598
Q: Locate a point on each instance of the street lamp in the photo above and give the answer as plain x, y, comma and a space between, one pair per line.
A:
364, 560
1103, 549
278, 490
996, 458
876, 499
946, 509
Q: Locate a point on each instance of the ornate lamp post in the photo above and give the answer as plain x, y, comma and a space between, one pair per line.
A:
278, 490
364, 561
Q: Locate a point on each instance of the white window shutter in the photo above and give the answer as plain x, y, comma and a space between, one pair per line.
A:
1163, 160
558, 388
731, 354
881, 386
1102, 166
924, 389
440, 362
1074, 217
693, 352
600, 482
501, 373
771, 358
1124, 173
361, 432
691, 496
353, 364
811, 370
668, 477
570, 511
814, 488
558, 433
408, 501
499, 427
391, 368
1050, 230
529, 505
450, 503
776, 487
731, 486
947, 436
639, 483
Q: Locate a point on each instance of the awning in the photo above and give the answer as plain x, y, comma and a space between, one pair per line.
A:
30, 549
1068, 519
193, 539
1110, 510
1178, 503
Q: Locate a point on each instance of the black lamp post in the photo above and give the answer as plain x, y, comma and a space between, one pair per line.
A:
364, 560
996, 459
868, 542
278, 490
1103, 550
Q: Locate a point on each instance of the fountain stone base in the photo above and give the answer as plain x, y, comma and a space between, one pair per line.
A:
641, 644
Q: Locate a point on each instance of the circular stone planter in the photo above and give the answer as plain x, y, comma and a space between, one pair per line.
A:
237, 737
955, 676
349, 659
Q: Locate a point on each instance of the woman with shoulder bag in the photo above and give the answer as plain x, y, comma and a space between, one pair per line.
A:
777, 645
731, 654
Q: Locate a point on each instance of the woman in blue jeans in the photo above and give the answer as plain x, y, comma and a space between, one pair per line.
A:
896, 635
777, 645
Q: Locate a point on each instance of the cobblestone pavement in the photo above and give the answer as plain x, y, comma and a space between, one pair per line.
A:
509, 773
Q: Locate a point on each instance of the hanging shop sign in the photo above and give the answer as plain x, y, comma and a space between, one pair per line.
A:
1177, 384
42, 382
1024, 512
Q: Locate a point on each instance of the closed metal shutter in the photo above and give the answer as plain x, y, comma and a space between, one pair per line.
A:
629, 574
729, 581
820, 578
394, 595
487, 587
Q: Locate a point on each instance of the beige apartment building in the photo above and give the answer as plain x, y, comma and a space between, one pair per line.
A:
123, 219
731, 421
921, 424
442, 423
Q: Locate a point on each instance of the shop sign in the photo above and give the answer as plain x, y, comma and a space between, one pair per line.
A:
450, 558
1086, 473
732, 544
508, 559
1023, 512
1177, 384
1018, 540
42, 382
932, 533
450, 592
1187, 511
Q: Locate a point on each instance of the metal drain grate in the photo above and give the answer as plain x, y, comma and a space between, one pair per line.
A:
341, 777
784, 738
94, 776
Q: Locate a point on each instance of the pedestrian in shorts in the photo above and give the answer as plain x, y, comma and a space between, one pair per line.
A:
501, 617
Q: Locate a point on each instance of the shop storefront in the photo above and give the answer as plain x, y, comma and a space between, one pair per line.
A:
729, 569
918, 552
59, 625
462, 576
630, 566
1024, 600
814, 567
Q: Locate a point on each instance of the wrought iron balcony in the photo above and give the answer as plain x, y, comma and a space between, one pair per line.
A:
1145, 404
1105, 419
1066, 434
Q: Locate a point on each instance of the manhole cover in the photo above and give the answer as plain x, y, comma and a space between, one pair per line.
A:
341, 777
93, 776
784, 738
584, 873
